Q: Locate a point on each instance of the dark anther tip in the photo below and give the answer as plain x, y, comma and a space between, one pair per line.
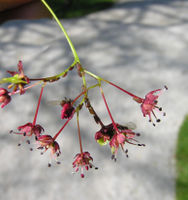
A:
160, 109
19, 144
96, 168
28, 142
49, 165
158, 120
58, 162
166, 87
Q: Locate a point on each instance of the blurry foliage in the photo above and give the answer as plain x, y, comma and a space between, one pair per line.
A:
78, 8
182, 162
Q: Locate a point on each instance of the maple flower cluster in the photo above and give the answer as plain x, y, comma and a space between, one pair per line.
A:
114, 134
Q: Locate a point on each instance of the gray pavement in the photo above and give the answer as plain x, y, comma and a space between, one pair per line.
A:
141, 46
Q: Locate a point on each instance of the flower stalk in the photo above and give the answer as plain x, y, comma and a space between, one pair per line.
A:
38, 105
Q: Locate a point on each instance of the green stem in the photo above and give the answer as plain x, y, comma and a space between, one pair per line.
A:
56, 77
64, 31
82, 93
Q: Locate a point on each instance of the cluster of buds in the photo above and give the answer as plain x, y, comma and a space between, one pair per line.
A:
114, 134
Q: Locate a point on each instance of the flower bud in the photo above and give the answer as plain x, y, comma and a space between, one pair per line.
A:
5, 98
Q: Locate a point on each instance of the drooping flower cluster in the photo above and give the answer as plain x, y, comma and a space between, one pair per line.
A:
114, 134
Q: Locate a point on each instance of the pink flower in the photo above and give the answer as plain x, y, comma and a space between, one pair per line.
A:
22, 79
116, 138
47, 142
67, 111
4, 97
107, 132
119, 139
29, 129
149, 104
83, 160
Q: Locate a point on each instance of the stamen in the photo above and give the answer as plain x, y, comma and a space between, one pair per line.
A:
158, 120
113, 158
58, 162
141, 145
49, 165
154, 114
19, 144
28, 141
126, 152
165, 87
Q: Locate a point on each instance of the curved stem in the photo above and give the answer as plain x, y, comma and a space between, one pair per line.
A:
56, 77
64, 31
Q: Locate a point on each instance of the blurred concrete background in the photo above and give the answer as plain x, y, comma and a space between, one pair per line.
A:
141, 46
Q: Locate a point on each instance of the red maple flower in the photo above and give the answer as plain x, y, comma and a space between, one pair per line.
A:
47, 142
83, 160
149, 104
4, 97
67, 111
22, 79
117, 138
29, 129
